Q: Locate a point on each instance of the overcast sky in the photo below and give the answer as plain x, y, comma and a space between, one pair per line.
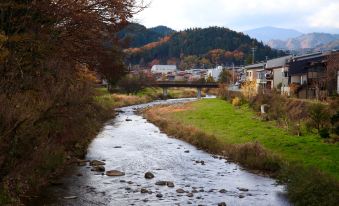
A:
240, 15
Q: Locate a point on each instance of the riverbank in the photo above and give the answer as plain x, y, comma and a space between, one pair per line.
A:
182, 174
306, 164
115, 100
71, 136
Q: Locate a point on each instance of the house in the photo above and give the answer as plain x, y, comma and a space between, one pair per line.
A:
307, 74
277, 73
214, 73
256, 73
163, 69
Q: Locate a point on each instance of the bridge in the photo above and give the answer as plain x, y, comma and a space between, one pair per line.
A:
167, 84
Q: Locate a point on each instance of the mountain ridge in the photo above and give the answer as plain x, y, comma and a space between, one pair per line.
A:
268, 33
305, 41
227, 45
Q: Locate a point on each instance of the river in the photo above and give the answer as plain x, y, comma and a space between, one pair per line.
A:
135, 147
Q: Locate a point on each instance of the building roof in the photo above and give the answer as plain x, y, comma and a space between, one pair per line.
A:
301, 64
164, 67
255, 66
278, 62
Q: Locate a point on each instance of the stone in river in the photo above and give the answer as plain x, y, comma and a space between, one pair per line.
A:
222, 204
243, 189
144, 190
222, 191
70, 197
180, 191
187, 151
115, 173
161, 183
149, 175
96, 163
99, 168
190, 195
241, 196
169, 184
128, 120
159, 195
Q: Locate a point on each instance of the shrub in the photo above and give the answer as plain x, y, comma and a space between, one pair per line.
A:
319, 115
236, 102
324, 133
335, 123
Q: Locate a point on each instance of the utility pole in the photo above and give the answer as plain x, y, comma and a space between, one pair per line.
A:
253, 52
233, 73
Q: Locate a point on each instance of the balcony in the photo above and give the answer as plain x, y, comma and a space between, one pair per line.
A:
269, 76
261, 81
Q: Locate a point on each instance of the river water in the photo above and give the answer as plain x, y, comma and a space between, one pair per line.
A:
137, 146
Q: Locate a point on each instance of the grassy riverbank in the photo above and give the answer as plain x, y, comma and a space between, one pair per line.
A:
307, 164
115, 100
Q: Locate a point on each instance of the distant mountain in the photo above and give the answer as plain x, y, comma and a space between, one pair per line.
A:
137, 35
204, 43
267, 33
306, 41
334, 45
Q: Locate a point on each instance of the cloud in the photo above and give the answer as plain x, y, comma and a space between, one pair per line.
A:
242, 14
326, 17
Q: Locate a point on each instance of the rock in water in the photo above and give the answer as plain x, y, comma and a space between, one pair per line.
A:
98, 168
222, 204
180, 191
114, 173
161, 183
159, 195
222, 191
149, 175
169, 184
241, 196
144, 190
243, 189
70, 197
96, 163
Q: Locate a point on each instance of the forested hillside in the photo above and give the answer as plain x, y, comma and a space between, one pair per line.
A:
136, 35
210, 46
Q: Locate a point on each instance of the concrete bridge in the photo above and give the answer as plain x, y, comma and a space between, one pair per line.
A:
167, 84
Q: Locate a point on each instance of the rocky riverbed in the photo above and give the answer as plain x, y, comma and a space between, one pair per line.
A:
132, 163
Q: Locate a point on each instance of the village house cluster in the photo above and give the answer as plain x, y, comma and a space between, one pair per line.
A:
170, 73
304, 75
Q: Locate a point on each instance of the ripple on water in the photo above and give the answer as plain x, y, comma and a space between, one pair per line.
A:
136, 147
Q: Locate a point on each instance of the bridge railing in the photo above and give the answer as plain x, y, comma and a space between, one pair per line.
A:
190, 84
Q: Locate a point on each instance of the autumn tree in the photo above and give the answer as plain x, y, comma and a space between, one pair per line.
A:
46, 49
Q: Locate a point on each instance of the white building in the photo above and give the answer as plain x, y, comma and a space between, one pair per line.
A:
215, 73
163, 69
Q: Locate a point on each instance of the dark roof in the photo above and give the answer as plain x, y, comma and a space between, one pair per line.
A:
278, 62
301, 64
255, 66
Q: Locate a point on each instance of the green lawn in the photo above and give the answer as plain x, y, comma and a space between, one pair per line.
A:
233, 125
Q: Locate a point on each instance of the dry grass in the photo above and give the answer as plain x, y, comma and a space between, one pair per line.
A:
251, 155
